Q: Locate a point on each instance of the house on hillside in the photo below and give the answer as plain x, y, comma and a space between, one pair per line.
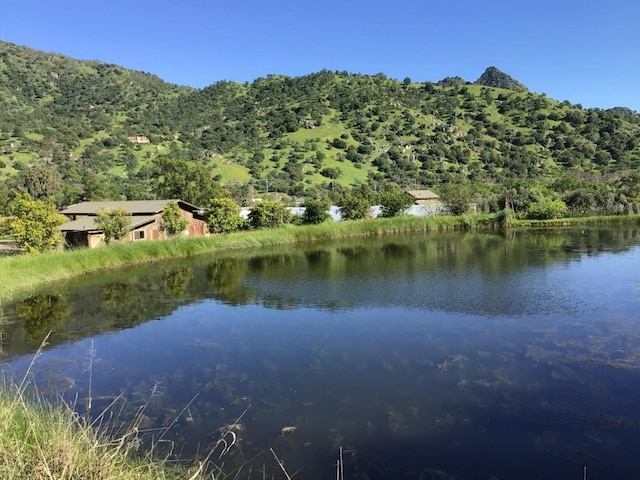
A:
146, 218
139, 139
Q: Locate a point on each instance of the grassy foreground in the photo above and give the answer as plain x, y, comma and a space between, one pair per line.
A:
39, 440
43, 440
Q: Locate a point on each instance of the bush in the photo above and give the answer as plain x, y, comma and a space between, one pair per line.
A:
339, 143
394, 200
505, 217
114, 223
268, 214
354, 206
331, 172
223, 216
35, 224
546, 210
172, 221
457, 198
316, 211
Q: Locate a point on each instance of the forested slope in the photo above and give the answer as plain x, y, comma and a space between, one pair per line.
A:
65, 126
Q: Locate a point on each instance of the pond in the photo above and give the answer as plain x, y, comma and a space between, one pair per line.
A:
468, 356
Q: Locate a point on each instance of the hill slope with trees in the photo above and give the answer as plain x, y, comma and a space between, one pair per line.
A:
84, 130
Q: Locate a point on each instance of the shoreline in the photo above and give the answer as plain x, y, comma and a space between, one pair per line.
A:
21, 274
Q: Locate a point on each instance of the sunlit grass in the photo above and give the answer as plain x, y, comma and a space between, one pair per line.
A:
594, 220
22, 274
43, 440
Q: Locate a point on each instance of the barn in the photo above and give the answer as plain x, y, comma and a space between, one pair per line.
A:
146, 218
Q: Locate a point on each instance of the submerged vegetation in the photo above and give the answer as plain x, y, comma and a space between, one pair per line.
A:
46, 439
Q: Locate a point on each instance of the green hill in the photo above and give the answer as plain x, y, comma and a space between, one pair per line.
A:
65, 126
492, 77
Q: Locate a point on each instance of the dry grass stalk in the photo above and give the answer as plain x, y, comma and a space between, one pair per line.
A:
43, 441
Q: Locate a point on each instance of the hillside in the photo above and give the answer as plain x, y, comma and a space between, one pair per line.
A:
65, 126
492, 77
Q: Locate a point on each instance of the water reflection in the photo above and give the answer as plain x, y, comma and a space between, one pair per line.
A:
42, 313
226, 279
117, 295
176, 281
439, 356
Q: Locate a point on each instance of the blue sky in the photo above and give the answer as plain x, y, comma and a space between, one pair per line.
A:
587, 51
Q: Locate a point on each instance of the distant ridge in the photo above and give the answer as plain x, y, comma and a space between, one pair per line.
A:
492, 77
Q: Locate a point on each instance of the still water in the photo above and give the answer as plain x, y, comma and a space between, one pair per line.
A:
468, 356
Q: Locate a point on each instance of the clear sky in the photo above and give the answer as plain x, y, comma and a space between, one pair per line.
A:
584, 51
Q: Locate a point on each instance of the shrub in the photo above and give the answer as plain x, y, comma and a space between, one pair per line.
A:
354, 206
35, 224
546, 210
223, 216
114, 223
268, 214
172, 221
316, 211
394, 200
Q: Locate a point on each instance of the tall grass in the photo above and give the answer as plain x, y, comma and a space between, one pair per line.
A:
21, 273
602, 220
42, 440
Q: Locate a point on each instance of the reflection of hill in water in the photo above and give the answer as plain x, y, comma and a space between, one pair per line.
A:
474, 273
470, 273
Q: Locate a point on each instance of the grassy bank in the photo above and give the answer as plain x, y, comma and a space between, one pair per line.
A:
20, 274
41, 440
577, 221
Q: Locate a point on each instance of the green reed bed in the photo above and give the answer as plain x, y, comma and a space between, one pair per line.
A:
602, 220
21, 273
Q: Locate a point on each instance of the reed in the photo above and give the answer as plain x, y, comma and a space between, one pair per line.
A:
40, 439
601, 220
23, 274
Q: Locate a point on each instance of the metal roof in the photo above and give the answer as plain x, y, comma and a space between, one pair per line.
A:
88, 224
423, 194
134, 207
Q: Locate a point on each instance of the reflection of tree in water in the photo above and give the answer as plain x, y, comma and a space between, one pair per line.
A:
593, 241
118, 294
318, 258
41, 313
397, 250
225, 277
176, 281
355, 253
279, 302
273, 262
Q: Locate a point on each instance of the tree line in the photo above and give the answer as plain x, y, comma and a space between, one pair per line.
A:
34, 224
